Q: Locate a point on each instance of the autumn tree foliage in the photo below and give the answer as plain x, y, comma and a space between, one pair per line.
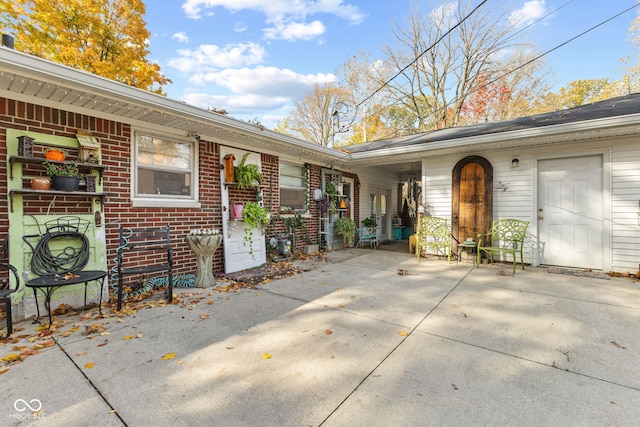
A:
103, 37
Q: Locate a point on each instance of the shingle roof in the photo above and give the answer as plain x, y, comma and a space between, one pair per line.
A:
620, 106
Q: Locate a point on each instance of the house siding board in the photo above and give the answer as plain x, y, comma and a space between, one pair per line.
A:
625, 204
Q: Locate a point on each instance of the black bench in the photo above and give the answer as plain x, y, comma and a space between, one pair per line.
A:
136, 248
58, 260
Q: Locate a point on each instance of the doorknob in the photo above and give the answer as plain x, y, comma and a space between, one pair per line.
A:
540, 217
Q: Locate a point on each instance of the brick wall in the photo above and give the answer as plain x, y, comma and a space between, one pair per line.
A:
115, 139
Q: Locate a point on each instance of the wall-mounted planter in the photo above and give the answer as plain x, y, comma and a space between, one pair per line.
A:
236, 211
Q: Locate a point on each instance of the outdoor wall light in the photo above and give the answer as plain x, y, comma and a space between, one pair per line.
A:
317, 194
515, 162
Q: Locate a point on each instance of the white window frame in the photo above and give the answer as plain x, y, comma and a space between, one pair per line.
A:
190, 201
305, 184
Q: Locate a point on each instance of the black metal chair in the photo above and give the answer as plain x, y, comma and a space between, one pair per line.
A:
59, 258
5, 283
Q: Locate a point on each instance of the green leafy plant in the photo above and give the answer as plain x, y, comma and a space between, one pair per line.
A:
254, 216
369, 222
347, 229
61, 169
331, 189
247, 176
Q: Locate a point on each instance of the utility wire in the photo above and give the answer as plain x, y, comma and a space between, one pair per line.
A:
518, 67
423, 52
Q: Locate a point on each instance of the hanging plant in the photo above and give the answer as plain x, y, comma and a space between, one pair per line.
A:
254, 216
247, 176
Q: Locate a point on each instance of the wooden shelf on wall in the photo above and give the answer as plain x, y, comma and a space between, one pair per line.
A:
57, 193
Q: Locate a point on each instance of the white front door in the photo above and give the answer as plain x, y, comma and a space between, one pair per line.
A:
571, 212
238, 253
378, 207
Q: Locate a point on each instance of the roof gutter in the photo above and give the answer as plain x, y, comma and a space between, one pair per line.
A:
31, 67
568, 132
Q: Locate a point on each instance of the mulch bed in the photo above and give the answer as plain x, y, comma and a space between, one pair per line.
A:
252, 277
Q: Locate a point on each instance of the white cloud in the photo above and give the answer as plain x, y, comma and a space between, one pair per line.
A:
527, 14
211, 57
236, 105
239, 27
264, 81
181, 37
295, 31
288, 17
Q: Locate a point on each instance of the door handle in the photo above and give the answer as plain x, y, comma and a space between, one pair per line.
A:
540, 217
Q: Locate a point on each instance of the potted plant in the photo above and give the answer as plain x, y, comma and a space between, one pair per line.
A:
369, 222
247, 176
254, 216
64, 176
347, 229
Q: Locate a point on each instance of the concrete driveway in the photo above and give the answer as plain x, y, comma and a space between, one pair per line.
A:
351, 343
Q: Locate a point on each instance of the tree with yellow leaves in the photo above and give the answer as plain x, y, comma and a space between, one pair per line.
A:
103, 37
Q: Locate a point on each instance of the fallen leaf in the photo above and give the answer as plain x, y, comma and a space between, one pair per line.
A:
618, 345
341, 306
139, 335
402, 333
204, 316
128, 337
89, 365
169, 356
328, 331
4, 369
102, 344
10, 357
266, 356
81, 353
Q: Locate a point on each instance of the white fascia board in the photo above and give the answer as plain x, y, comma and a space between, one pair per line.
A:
31, 67
524, 137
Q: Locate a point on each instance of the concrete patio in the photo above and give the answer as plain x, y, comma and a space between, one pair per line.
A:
352, 342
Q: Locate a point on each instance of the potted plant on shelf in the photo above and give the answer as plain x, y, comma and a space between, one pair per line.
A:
64, 176
347, 229
254, 216
247, 176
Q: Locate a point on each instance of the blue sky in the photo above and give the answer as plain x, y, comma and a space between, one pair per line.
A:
255, 58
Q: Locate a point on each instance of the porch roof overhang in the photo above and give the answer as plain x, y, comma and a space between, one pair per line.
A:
31, 79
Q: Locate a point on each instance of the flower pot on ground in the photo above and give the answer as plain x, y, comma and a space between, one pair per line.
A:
346, 228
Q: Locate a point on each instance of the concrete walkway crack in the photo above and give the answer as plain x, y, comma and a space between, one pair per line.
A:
104, 399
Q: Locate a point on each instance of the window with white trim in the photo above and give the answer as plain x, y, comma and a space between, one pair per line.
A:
293, 186
164, 168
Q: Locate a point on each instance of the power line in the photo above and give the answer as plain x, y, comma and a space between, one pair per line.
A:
423, 52
518, 67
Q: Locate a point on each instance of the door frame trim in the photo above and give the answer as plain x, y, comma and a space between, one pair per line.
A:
455, 193
606, 199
